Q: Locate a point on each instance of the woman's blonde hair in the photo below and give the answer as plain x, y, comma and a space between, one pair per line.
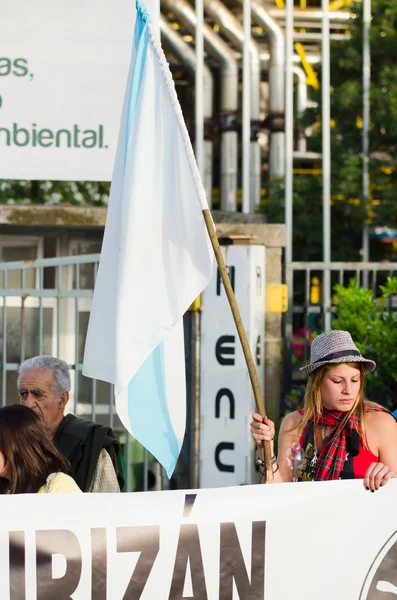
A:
313, 405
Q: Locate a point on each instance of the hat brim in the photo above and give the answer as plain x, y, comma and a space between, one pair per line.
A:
369, 365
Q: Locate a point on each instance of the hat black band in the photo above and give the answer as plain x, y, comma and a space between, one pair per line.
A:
340, 354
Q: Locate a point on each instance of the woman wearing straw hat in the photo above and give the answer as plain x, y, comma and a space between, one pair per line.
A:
342, 435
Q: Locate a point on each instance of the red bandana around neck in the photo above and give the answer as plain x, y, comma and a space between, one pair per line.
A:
332, 456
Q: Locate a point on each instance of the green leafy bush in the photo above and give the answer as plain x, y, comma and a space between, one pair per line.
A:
55, 193
373, 326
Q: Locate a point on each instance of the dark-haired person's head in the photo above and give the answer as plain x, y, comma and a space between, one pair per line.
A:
27, 455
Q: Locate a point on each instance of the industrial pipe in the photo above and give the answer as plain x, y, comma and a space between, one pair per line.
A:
234, 31
276, 89
301, 105
229, 100
186, 55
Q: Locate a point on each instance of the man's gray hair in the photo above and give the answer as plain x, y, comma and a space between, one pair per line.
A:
60, 369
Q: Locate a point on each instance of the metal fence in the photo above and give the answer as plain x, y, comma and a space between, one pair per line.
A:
45, 308
310, 308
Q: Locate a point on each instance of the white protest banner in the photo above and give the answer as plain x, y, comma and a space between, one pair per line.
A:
331, 540
63, 69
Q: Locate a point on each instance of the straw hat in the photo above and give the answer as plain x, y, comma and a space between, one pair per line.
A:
335, 347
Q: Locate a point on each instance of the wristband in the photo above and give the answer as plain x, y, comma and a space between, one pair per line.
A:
261, 463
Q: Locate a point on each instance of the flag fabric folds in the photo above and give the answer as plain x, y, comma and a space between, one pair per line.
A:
156, 257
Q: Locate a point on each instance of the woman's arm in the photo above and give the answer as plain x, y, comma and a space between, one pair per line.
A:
382, 440
263, 430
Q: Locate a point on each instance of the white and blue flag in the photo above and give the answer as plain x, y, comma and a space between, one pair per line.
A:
156, 257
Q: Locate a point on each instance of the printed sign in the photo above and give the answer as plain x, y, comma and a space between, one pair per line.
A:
227, 451
63, 69
266, 542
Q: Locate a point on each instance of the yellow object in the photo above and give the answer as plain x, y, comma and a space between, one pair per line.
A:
387, 170
338, 4
307, 171
196, 305
60, 483
310, 72
315, 290
276, 298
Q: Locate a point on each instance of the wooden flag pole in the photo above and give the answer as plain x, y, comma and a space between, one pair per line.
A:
242, 334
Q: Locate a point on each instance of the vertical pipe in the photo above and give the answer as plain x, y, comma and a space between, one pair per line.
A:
76, 342
246, 106
194, 450
199, 87
93, 398
235, 32
229, 101
23, 343
326, 142
128, 463
301, 105
145, 470
41, 286
58, 284
4, 382
289, 124
111, 403
374, 281
307, 306
187, 56
23, 285
199, 65
366, 75
289, 280
165, 482
94, 381
276, 86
